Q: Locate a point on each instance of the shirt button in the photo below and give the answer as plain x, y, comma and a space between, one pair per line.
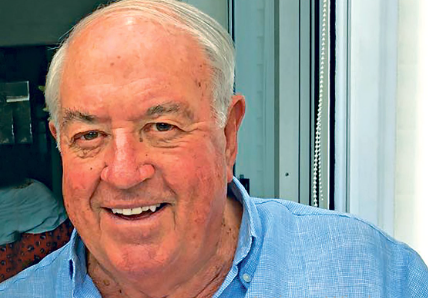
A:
246, 277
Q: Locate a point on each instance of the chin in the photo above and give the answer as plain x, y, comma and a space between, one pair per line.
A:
139, 260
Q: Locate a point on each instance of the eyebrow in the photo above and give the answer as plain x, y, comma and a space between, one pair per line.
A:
169, 108
72, 115
155, 111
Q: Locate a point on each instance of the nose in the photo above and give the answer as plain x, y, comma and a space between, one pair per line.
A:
124, 167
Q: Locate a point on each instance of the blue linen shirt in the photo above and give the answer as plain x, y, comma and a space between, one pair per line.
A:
284, 250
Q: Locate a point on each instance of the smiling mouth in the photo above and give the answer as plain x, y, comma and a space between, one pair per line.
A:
137, 213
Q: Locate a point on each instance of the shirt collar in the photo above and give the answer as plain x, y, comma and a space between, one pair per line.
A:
250, 223
77, 260
247, 252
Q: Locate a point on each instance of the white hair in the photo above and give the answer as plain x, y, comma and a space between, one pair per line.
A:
211, 36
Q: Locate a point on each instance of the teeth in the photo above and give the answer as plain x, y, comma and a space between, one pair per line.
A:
135, 211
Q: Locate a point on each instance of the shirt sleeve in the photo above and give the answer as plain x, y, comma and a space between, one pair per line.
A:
417, 277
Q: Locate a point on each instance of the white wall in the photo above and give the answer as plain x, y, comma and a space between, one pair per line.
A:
371, 95
385, 88
411, 197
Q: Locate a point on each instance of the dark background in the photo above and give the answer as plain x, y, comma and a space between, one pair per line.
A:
30, 31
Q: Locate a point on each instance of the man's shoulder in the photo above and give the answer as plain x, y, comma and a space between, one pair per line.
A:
39, 280
299, 215
298, 224
332, 253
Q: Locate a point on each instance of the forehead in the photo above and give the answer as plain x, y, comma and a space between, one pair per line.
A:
126, 48
126, 45
128, 39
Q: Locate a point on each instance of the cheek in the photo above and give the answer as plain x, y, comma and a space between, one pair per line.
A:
197, 175
80, 178
195, 169
79, 184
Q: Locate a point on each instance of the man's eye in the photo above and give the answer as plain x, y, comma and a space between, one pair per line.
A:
163, 126
90, 135
88, 140
161, 131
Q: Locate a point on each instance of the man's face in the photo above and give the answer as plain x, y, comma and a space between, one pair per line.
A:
137, 132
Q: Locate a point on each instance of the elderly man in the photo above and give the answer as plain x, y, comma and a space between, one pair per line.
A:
142, 108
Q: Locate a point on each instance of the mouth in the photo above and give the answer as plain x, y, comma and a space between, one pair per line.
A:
138, 212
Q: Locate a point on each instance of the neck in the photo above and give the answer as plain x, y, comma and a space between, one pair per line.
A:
203, 284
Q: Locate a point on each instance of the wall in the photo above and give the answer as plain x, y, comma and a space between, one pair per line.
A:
386, 69
28, 22
217, 9
411, 199
371, 87
273, 71
255, 80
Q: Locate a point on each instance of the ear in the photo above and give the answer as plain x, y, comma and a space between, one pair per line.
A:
52, 128
235, 116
